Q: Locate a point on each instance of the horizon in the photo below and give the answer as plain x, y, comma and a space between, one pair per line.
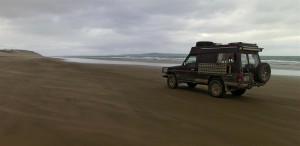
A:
1, 49
151, 53
158, 54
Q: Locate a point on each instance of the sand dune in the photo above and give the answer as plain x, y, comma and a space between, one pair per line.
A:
49, 102
16, 52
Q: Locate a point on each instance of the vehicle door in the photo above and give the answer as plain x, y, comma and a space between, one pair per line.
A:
189, 69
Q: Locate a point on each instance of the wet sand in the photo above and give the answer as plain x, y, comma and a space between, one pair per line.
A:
47, 102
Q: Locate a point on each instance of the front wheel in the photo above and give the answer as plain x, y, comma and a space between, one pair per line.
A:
216, 88
172, 81
238, 92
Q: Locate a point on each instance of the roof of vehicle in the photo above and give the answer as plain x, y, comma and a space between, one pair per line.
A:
210, 47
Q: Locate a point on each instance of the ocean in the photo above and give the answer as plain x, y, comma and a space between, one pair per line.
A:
281, 65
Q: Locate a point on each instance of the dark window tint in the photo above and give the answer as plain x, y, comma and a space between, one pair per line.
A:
207, 58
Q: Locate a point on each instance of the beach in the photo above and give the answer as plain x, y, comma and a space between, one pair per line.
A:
47, 102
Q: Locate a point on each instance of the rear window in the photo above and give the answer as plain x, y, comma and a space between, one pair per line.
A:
251, 59
244, 60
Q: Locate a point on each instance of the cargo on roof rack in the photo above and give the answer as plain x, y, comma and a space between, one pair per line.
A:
242, 44
210, 47
204, 43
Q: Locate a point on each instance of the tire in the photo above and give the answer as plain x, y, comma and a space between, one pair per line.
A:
238, 92
172, 81
216, 88
191, 85
262, 73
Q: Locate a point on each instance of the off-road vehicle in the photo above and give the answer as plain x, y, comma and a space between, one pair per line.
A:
232, 67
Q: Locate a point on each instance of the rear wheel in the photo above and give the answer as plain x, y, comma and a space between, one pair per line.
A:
172, 81
191, 85
238, 92
216, 88
263, 73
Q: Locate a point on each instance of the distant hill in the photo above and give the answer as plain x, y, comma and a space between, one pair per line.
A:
20, 53
154, 55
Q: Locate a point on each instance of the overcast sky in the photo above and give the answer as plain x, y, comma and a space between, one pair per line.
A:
106, 27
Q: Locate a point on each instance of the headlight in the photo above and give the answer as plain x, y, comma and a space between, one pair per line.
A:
164, 69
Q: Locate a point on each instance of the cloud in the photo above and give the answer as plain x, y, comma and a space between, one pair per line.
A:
89, 27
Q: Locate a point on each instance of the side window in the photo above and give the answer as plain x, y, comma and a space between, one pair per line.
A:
226, 58
190, 61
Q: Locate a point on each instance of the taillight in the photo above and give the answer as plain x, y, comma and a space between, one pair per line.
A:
239, 77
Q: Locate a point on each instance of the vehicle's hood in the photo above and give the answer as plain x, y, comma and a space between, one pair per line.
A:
167, 69
174, 67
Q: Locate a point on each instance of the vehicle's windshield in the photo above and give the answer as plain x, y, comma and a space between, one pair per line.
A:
249, 59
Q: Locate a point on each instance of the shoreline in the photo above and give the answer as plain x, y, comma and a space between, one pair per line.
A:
275, 71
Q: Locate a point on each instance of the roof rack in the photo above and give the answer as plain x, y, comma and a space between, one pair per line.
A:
205, 43
246, 46
242, 44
